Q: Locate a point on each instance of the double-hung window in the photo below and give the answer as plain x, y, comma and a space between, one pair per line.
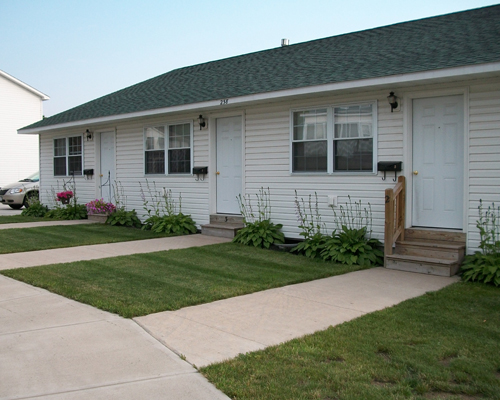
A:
334, 139
68, 156
173, 154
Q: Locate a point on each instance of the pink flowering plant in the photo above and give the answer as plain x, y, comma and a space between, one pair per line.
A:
66, 195
99, 207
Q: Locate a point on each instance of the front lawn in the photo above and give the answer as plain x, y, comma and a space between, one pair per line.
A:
17, 240
443, 345
142, 284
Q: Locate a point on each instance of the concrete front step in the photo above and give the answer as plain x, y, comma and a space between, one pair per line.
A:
437, 249
226, 219
422, 265
226, 230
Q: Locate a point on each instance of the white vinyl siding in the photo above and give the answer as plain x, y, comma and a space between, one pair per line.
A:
19, 107
484, 153
267, 130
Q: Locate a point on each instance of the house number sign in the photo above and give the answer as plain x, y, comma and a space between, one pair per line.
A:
223, 102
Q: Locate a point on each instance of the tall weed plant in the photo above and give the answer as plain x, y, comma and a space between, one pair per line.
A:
259, 231
484, 266
163, 214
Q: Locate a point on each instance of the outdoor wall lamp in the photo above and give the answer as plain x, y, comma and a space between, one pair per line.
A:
393, 101
202, 122
88, 135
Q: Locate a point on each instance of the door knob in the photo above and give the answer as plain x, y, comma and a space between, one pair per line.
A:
415, 172
218, 173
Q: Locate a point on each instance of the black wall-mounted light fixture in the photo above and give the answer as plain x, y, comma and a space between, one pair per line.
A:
202, 122
89, 135
393, 101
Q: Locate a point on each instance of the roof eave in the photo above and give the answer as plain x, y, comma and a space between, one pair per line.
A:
456, 72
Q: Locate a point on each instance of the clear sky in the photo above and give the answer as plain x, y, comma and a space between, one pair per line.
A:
78, 50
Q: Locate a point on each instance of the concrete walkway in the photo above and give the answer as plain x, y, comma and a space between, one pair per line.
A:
220, 330
58, 349
96, 251
45, 223
55, 348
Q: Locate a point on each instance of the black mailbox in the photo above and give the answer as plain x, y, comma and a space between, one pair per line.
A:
390, 166
200, 170
88, 172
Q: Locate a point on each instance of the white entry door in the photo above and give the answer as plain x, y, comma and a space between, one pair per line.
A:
229, 165
438, 162
107, 175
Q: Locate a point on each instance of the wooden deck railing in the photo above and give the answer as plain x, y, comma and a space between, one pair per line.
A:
394, 215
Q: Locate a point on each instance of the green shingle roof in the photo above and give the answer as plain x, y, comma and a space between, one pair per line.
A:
452, 40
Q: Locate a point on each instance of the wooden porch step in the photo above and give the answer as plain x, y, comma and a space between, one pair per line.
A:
425, 234
422, 265
432, 249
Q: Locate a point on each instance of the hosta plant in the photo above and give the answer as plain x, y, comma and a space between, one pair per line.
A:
260, 234
350, 246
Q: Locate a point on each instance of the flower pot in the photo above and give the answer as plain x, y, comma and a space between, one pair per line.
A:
99, 218
65, 201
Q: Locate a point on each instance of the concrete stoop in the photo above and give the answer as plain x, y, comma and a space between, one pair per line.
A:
223, 225
428, 251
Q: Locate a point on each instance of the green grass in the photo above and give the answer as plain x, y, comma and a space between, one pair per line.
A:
443, 345
52, 237
147, 283
14, 219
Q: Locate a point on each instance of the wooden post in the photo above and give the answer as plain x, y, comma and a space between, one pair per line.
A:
402, 206
389, 221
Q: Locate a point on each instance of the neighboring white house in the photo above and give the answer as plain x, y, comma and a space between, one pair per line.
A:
20, 104
311, 117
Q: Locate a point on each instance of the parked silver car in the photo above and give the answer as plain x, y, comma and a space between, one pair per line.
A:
17, 194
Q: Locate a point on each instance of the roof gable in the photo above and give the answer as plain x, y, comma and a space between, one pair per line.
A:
23, 85
452, 40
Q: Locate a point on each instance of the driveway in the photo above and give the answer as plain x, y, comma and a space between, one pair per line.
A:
6, 210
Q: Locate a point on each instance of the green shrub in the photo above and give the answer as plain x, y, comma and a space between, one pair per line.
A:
35, 208
312, 246
178, 224
259, 231
350, 246
69, 212
122, 217
480, 267
260, 234
484, 266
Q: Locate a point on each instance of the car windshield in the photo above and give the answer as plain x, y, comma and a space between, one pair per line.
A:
32, 178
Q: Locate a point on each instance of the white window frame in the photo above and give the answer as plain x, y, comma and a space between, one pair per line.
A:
330, 128
67, 155
166, 147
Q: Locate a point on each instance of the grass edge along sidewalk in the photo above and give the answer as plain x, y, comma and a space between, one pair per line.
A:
62, 236
142, 284
443, 345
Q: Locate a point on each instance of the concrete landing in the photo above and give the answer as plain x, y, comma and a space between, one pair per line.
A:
213, 332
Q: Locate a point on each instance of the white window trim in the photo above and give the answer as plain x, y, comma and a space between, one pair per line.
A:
66, 140
166, 147
330, 139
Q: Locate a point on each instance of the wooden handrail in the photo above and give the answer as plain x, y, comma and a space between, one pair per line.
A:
394, 215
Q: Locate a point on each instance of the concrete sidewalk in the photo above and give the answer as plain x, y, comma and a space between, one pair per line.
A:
20, 225
55, 348
96, 251
220, 330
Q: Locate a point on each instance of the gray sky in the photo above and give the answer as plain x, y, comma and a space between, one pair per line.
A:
76, 51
